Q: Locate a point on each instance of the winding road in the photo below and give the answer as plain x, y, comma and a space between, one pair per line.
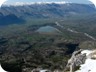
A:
73, 31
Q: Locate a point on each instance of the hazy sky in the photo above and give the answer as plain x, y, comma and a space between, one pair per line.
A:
74, 1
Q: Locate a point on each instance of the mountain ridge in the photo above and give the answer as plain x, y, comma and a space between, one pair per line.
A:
48, 10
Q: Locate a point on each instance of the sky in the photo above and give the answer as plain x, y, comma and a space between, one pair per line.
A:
12, 2
74, 1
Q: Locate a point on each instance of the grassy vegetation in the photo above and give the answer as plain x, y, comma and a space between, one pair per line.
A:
21, 43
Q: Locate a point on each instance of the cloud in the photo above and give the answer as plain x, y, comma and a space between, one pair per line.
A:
28, 3
94, 2
2, 1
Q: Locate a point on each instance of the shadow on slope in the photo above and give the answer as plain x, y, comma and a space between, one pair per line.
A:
10, 19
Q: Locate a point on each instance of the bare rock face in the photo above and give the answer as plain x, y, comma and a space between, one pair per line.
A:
75, 61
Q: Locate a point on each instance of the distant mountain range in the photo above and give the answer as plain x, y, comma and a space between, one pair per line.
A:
52, 10
10, 19
48, 10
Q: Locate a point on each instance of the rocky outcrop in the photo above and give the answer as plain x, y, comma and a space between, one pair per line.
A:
75, 61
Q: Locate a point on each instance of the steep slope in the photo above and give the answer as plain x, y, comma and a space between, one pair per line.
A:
52, 10
82, 61
10, 19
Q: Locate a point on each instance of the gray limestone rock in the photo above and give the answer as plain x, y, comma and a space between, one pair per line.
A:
76, 60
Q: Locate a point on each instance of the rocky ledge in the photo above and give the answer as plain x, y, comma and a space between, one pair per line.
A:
82, 61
